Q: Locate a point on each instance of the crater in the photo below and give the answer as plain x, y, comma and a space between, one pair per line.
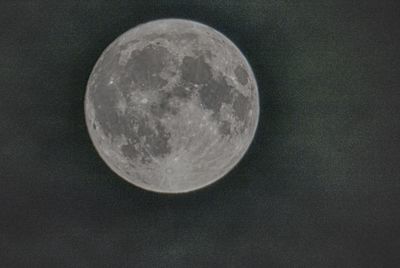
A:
241, 75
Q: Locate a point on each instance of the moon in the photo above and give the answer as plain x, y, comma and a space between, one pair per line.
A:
172, 105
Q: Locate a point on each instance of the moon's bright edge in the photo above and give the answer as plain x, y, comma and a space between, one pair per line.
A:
172, 105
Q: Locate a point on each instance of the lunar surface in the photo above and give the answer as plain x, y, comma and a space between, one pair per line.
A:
172, 105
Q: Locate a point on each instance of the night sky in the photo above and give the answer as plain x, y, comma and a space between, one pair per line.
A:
319, 186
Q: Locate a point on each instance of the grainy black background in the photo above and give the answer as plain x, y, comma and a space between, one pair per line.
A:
319, 186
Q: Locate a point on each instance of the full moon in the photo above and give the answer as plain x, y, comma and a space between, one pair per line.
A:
172, 105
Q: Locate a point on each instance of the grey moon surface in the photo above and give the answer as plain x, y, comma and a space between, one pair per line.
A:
172, 105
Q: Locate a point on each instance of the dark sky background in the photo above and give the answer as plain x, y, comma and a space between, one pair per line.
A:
319, 187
